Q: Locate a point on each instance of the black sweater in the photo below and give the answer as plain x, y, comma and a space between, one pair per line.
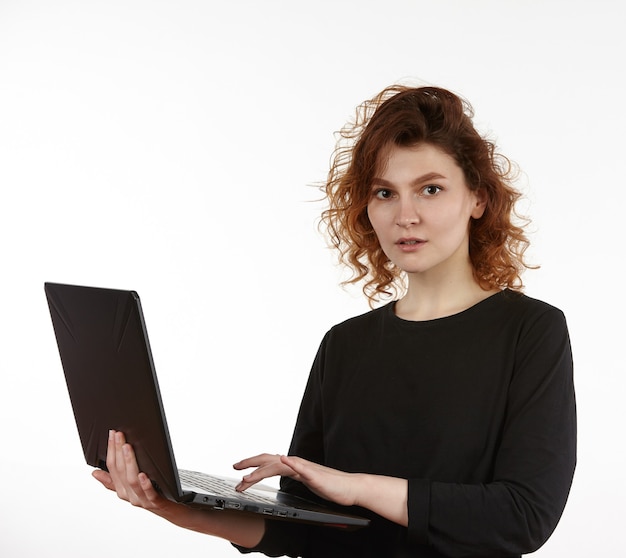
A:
476, 410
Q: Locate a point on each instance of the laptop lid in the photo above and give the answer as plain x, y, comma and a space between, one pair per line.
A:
111, 379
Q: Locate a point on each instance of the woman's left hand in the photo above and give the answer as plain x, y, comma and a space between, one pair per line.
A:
330, 484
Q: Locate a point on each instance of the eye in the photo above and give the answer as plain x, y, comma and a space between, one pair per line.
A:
382, 194
431, 190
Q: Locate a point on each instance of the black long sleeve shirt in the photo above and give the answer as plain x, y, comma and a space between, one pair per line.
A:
476, 410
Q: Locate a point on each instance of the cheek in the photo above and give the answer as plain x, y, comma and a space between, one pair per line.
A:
375, 225
373, 215
457, 215
379, 218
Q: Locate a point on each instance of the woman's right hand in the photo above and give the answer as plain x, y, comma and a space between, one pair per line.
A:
130, 484
124, 477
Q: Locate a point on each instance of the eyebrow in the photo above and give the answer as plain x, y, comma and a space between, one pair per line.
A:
419, 180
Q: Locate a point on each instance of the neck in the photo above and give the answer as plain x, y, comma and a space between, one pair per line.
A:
429, 297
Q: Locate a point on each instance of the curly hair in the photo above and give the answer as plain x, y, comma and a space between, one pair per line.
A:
406, 116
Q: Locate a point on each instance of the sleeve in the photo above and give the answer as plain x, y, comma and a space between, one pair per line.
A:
518, 510
291, 539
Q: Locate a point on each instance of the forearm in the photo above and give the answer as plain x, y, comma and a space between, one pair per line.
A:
241, 529
386, 496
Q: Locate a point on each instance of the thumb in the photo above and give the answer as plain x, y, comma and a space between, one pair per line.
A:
104, 478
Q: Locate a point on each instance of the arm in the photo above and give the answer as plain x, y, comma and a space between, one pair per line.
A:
385, 496
518, 508
135, 487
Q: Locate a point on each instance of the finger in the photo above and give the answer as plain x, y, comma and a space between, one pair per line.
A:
118, 461
104, 478
273, 469
256, 461
110, 460
130, 462
113, 463
117, 466
136, 489
152, 499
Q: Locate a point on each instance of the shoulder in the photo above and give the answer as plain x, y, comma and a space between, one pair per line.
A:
362, 322
536, 326
526, 302
526, 308
357, 331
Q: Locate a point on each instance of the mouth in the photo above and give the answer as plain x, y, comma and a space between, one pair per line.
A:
410, 245
410, 241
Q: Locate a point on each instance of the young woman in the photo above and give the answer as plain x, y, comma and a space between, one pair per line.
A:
447, 415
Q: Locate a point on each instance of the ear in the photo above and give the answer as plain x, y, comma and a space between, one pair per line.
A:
480, 203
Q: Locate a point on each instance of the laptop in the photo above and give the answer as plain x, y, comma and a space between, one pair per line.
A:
105, 353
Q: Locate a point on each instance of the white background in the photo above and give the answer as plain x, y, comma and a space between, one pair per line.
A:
172, 147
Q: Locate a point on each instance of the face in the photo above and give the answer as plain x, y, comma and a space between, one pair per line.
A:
420, 208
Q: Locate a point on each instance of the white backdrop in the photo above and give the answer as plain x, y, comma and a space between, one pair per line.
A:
171, 147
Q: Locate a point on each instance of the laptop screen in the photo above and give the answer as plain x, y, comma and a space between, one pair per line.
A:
110, 375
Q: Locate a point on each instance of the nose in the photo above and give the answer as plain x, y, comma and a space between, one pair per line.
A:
407, 215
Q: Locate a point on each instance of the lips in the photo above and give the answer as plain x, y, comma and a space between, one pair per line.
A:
410, 244
410, 241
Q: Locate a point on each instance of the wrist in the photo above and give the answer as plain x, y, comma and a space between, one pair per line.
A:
362, 489
386, 496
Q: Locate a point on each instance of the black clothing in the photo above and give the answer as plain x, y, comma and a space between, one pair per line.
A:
476, 410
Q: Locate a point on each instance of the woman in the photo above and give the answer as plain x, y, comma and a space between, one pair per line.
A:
448, 415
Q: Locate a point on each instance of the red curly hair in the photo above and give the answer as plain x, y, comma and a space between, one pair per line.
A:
407, 116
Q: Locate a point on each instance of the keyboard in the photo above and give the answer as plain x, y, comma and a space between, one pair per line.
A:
221, 487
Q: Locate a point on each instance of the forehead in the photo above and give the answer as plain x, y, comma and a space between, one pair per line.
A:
421, 158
